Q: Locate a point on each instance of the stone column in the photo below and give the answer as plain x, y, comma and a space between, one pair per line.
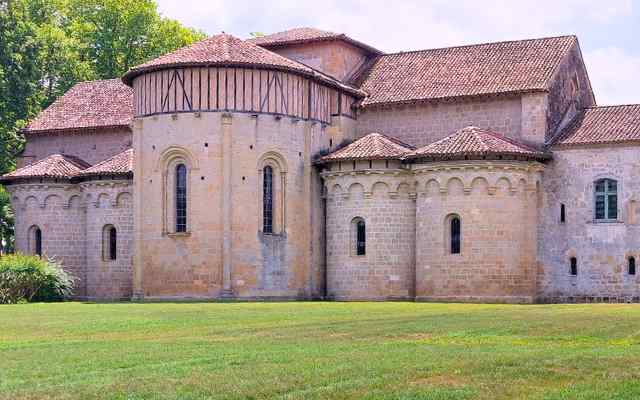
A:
227, 198
138, 206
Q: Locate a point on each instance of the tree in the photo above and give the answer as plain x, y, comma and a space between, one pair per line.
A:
46, 46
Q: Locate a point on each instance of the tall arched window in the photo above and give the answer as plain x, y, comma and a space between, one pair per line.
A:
181, 198
359, 234
267, 199
573, 266
455, 235
109, 243
606, 199
37, 238
632, 266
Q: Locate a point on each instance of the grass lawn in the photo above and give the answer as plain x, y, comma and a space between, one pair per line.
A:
319, 351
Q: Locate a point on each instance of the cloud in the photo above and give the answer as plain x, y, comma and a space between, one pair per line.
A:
417, 24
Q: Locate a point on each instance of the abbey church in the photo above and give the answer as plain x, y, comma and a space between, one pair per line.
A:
309, 165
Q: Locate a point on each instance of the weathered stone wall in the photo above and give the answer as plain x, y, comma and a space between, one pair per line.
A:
334, 58
382, 196
602, 249
90, 146
224, 250
496, 204
109, 203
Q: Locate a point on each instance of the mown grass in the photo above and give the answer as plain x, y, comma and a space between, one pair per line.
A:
319, 351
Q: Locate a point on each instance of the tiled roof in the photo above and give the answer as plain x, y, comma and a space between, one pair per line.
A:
373, 146
472, 142
476, 70
54, 166
93, 104
599, 125
227, 50
120, 164
307, 35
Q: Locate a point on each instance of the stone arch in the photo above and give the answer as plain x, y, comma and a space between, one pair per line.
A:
403, 189
455, 186
380, 188
74, 201
503, 185
124, 198
336, 189
356, 190
52, 200
176, 155
480, 185
272, 170
432, 187
452, 237
31, 202
274, 159
522, 186
102, 201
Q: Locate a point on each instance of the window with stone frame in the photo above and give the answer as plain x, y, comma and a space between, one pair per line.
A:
359, 236
453, 234
573, 266
109, 243
181, 198
267, 199
606, 200
35, 240
631, 268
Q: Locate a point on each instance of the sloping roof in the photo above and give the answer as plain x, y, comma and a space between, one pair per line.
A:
475, 70
472, 142
120, 164
227, 50
54, 166
93, 104
600, 125
374, 146
307, 35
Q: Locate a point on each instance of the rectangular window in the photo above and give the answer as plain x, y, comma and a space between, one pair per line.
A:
361, 239
562, 214
574, 266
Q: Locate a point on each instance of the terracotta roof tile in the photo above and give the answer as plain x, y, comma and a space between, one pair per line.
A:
93, 104
307, 35
54, 166
373, 146
120, 164
599, 125
492, 68
227, 50
471, 142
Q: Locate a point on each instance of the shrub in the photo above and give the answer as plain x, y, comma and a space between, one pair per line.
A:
31, 278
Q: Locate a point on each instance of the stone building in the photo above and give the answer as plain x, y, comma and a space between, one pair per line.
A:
306, 164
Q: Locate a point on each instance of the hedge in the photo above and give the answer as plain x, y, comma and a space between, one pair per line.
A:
31, 278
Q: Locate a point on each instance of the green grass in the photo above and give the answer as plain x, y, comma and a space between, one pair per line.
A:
319, 351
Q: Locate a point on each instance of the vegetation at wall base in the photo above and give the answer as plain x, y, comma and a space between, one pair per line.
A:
31, 278
319, 350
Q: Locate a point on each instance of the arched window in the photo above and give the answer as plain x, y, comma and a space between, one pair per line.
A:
632, 266
109, 243
606, 199
36, 240
267, 199
181, 198
573, 268
359, 234
455, 235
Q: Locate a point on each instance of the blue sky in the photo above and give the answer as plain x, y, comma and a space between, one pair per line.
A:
609, 31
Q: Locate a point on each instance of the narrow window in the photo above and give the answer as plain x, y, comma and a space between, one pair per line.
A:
455, 235
574, 266
267, 200
632, 265
113, 243
181, 198
37, 237
361, 237
606, 199
562, 214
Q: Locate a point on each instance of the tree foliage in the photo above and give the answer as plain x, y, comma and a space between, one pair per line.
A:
46, 46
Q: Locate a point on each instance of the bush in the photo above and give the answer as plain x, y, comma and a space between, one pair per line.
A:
31, 278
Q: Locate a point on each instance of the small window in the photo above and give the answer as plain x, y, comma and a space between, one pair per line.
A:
359, 230
632, 265
109, 243
562, 214
574, 266
267, 200
606, 199
455, 235
181, 198
37, 241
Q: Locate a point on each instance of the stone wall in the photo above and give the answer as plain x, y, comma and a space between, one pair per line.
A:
90, 146
71, 218
496, 204
381, 196
602, 249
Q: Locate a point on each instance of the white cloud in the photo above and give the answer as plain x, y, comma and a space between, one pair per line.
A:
417, 24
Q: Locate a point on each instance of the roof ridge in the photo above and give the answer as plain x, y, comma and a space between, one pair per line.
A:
612, 106
479, 44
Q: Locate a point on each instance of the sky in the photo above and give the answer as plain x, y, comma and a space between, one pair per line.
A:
608, 31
